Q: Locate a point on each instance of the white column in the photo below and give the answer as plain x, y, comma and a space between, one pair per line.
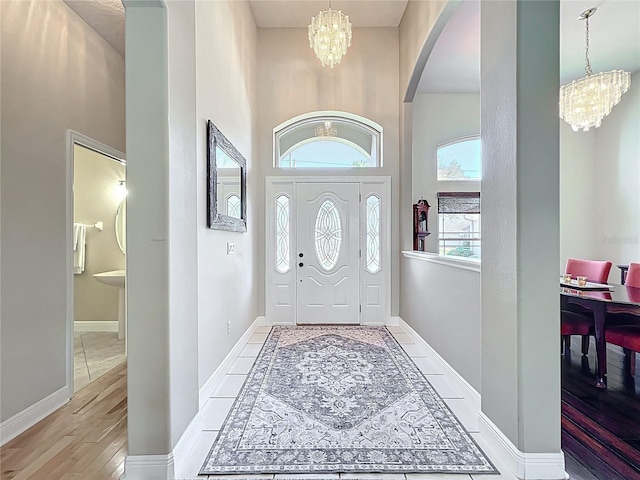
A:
147, 113
520, 234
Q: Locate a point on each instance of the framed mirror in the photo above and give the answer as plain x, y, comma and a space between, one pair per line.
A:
226, 183
121, 222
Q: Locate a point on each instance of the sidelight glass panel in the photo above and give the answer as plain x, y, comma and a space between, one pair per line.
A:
233, 206
282, 234
328, 235
373, 233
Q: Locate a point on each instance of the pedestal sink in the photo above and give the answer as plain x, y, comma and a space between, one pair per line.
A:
116, 278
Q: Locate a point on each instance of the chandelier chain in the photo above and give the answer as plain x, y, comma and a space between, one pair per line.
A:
587, 67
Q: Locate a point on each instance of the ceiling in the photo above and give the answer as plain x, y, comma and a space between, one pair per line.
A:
105, 16
614, 37
454, 64
298, 13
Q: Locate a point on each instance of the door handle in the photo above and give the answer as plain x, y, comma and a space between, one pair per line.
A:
301, 254
301, 264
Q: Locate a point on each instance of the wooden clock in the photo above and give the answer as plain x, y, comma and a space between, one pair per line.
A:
420, 224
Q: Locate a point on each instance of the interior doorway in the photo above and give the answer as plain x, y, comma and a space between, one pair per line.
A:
97, 246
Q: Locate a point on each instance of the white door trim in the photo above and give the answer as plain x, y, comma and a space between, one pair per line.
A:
76, 138
276, 185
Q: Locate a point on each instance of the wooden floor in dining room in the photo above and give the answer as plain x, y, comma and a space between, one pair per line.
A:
600, 428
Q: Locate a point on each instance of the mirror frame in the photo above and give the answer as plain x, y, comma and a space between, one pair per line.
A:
215, 219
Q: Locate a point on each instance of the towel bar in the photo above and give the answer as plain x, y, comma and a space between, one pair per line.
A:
97, 226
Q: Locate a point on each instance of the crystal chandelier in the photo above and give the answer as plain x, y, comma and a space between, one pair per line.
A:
328, 130
330, 36
585, 102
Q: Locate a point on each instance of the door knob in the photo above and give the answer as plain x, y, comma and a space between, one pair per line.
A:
301, 264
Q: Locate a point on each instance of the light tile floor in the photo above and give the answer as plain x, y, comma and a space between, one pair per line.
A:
95, 353
217, 407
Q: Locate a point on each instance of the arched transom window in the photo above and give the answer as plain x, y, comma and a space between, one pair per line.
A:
328, 140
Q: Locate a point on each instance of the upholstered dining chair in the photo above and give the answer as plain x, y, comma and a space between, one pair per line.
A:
627, 336
580, 321
595, 271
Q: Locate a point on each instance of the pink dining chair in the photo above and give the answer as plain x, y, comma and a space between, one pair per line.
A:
627, 336
595, 271
581, 322
633, 275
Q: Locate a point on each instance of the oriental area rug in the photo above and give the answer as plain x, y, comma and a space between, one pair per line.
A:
330, 399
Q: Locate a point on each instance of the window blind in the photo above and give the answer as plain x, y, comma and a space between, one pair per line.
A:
459, 202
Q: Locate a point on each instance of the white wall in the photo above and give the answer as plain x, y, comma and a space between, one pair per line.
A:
599, 193
578, 232
226, 45
442, 304
617, 183
97, 196
418, 32
293, 82
57, 74
439, 118
430, 293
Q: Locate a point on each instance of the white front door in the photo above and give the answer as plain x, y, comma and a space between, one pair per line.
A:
327, 260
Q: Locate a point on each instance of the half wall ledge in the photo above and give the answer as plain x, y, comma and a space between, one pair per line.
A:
464, 264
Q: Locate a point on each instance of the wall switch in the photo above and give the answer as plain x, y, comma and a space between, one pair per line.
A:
228, 327
231, 248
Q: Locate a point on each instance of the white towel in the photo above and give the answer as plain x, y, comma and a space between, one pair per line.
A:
76, 233
79, 241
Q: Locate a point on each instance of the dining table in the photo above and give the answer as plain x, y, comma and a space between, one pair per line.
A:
604, 301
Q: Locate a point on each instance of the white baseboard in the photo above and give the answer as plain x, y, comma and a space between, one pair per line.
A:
276, 324
148, 467
525, 466
459, 382
21, 421
393, 322
214, 380
190, 435
97, 326
187, 441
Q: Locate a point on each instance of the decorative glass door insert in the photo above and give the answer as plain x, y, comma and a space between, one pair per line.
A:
328, 234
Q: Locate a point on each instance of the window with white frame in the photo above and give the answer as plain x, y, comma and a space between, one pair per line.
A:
460, 159
328, 140
459, 224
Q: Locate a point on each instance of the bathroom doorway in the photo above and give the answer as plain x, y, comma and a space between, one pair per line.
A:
97, 260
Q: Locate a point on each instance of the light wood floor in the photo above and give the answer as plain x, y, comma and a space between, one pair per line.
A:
86, 439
